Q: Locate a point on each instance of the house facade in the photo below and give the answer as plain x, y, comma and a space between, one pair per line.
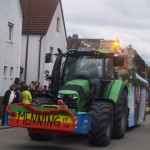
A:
43, 33
10, 42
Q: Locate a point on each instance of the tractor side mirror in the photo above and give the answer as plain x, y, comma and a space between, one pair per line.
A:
121, 62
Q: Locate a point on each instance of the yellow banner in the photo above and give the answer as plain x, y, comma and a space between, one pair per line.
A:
24, 116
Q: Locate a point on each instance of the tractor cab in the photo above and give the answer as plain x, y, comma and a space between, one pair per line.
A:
82, 77
88, 66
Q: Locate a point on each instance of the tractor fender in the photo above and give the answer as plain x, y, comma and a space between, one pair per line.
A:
116, 90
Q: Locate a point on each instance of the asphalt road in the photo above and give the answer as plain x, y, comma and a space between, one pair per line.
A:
137, 138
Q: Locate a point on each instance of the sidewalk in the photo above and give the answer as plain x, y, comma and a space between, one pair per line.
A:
5, 126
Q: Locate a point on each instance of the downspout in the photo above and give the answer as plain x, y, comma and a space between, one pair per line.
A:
27, 43
39, 65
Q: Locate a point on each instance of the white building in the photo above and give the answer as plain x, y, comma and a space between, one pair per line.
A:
43, 32
10, 42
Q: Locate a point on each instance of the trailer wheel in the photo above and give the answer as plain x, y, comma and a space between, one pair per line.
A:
39, 137
121, 117
102, 123
35, 135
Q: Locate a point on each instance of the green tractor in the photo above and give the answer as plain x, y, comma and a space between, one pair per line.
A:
87, 82
87, 97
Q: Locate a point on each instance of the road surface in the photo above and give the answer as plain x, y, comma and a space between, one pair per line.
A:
137, 138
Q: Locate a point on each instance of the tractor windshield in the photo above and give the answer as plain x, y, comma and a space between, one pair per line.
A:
82, 67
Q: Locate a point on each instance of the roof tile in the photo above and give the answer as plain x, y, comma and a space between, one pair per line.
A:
37, 15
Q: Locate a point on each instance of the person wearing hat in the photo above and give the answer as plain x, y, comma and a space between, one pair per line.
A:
17, 83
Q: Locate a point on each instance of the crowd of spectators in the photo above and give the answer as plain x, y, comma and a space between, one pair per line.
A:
21, 92
35, 88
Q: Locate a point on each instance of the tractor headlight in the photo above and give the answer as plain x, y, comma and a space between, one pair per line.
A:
74, 96
71, 100
60, 95
68, 99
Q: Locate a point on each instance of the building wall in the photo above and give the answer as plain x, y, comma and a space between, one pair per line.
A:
51, 39
33, 57
10, 11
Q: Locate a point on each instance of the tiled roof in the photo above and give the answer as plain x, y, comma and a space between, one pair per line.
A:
37, 15
74, 41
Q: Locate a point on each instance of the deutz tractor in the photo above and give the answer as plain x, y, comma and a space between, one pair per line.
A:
87, 82
87, 97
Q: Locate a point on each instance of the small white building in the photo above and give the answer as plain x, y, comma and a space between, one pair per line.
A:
10, 42
43, 33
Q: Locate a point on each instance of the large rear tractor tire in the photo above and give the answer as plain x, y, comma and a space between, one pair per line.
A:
121, 117
102, 124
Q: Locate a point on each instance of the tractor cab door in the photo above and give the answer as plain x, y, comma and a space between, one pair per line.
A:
108, 68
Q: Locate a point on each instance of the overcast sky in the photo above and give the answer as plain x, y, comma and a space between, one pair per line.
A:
126, 20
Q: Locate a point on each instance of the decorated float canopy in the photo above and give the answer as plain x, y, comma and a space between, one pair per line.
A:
111, 46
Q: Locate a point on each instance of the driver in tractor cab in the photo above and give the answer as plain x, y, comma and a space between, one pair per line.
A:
91, 68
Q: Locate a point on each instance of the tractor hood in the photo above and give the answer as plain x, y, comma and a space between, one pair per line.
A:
74, 93
75, 85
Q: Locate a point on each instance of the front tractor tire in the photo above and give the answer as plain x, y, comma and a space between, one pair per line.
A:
102, 124
121, 117
38, 137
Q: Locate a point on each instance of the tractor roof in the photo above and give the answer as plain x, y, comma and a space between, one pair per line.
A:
90, 52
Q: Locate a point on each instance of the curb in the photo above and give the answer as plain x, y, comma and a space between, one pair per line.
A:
5, 127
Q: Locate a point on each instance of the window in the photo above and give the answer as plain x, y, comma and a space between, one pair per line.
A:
10, 31
5, 72
58, 25
51, 51
11, 72
109, 68
49, 56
